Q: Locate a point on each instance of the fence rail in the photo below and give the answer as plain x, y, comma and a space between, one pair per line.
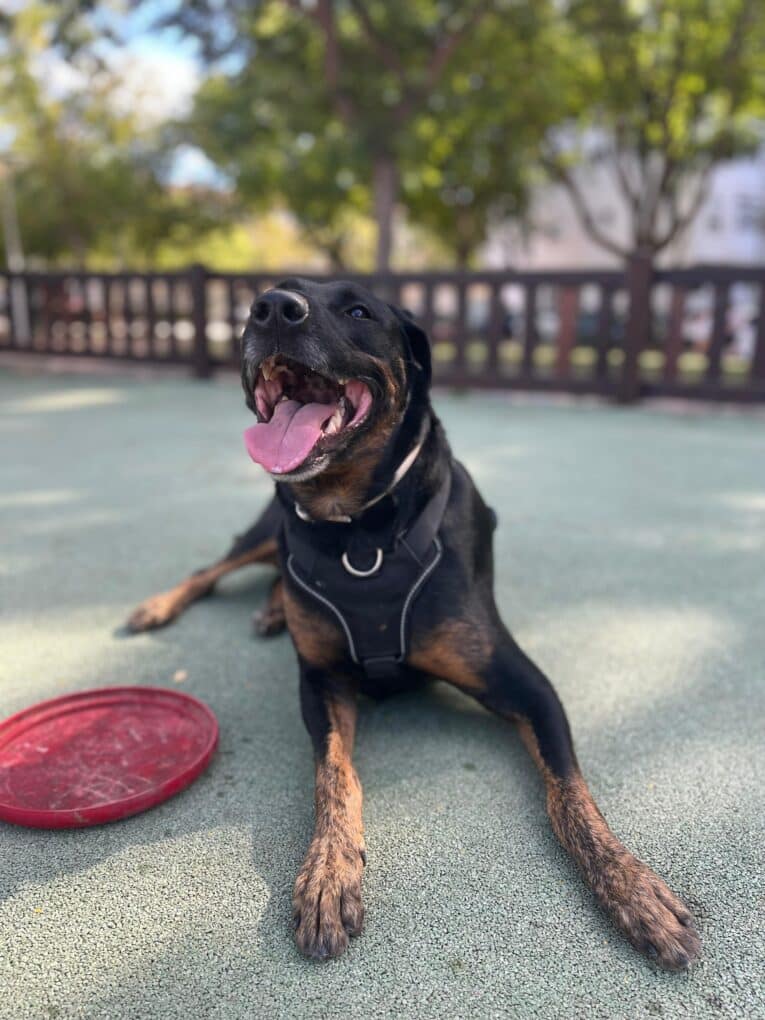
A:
695, 332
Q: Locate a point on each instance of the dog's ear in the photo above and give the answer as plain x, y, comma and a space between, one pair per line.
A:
417, 339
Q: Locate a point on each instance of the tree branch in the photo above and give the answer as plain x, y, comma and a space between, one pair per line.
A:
632, 195
652, 201
325, 16
736, 38
678, 222
583, 211
447, 47
385, 52
438, 62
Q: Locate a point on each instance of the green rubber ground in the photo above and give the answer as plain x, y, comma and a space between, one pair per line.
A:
629, 564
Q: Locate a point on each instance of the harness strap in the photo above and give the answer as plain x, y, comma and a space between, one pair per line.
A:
418, 538
372, 600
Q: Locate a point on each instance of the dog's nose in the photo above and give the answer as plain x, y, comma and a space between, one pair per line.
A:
280, 307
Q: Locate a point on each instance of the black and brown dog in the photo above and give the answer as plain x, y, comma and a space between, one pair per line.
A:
385, 550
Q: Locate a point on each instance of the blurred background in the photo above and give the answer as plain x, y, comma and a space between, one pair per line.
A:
571, 194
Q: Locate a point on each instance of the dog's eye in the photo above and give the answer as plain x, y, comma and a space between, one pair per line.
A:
359, 312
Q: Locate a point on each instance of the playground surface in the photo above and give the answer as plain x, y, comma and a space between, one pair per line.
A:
630, 559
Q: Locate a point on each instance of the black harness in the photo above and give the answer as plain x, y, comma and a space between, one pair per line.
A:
368, 589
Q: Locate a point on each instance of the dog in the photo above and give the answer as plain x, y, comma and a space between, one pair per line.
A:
384, 550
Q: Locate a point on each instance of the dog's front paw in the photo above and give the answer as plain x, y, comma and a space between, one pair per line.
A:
326, 903
650, 915
154, 612
268, 622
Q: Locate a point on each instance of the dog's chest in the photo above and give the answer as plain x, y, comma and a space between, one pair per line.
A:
361, 591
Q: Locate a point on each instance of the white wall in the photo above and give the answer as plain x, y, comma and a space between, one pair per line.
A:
729, 227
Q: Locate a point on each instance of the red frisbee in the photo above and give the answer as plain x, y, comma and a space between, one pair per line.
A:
100, 755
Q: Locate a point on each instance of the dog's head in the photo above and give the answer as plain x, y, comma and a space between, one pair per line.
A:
324, 367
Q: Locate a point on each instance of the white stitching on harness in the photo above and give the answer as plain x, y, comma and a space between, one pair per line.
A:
328, 604
415, 588
404, 612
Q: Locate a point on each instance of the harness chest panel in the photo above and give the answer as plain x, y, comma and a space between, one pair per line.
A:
371, 600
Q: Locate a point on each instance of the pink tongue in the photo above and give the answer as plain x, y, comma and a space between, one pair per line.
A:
285, 441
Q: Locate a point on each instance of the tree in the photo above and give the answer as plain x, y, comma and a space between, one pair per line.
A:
88, 176
268, 127
338, 108
475, 158
659, 93
346, 79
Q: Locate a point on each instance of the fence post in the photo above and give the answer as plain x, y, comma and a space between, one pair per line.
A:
758, 357
637, 333
201, 358
17, 297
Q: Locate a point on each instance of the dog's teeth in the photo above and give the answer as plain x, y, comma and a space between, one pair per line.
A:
334, 423
265, 371
262, 404
282, 398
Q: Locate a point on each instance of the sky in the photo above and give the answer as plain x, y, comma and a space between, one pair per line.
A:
163, 68
160, 69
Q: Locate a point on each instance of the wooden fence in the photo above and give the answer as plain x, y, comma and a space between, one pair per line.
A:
697, 332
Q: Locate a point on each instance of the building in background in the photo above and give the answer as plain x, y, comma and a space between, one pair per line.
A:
730, 226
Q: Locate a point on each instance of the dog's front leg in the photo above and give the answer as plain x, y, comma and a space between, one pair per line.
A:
257, 545
327, 905
485, 661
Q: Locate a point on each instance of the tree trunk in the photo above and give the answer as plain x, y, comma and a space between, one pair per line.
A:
335, 254
385, 186
637, 335
14, 257
462, 252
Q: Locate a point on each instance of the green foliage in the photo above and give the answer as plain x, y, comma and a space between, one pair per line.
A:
336, 110
268, 126
475, 146
306, 101
87, 177
660, 91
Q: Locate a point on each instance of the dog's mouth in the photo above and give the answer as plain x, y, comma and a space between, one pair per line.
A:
300, 411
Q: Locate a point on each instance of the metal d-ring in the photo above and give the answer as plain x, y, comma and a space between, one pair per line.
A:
363, 573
